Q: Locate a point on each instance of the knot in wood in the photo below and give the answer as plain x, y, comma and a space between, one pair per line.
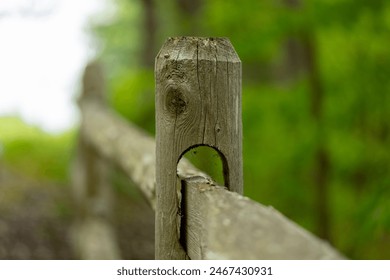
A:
176, 102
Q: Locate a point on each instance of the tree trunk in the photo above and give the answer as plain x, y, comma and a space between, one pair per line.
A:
188, 14
301, 58
150, 27
322, 163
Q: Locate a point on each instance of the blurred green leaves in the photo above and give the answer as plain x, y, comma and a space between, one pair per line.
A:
282, 136
34, 152
133, 97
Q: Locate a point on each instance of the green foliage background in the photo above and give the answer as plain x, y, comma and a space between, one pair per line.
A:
34, 152
282, 135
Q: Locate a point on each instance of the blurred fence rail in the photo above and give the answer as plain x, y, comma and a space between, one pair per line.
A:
214, 223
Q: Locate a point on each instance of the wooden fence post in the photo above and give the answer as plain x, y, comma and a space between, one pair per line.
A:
198, 102
93, 235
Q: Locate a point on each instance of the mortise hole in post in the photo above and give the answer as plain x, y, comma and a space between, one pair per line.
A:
209, 160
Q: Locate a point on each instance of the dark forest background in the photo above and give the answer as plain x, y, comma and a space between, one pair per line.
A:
316, 106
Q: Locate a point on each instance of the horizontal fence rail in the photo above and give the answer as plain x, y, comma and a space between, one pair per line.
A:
213, 223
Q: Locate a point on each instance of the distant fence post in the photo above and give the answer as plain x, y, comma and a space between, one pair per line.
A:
93, 236
198, 102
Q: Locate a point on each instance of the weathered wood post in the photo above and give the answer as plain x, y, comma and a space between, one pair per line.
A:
93, 235
198, 102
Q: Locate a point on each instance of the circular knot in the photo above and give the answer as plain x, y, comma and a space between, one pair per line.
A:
176, 102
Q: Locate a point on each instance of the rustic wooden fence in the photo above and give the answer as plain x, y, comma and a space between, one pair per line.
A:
198, 102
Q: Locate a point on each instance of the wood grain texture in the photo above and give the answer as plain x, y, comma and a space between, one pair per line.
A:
220, 225
216, 223
198, 102
125, 146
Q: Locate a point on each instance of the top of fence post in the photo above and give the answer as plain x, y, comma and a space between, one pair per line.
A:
94, 85
198, 102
